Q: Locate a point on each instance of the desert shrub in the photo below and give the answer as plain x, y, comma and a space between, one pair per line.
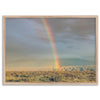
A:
51, 76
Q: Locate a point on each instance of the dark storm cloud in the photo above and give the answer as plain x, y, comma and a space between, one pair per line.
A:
72, 28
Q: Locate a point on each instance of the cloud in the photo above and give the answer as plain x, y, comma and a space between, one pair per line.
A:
27, 38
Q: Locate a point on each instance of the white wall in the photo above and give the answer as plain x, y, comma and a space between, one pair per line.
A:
48, 7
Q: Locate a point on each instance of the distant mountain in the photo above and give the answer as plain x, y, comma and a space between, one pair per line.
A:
75, 61
78, 68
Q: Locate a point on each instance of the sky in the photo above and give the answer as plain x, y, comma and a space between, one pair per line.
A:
27, 43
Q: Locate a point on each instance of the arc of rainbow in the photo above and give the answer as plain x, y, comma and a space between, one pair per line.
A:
52, 42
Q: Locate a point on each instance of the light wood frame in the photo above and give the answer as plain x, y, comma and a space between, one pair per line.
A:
51, 83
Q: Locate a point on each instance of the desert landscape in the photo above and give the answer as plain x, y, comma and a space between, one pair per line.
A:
68, 74
42, 50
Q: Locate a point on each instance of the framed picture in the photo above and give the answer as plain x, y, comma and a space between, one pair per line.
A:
50, 50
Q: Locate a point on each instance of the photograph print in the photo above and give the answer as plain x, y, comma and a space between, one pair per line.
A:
50, 50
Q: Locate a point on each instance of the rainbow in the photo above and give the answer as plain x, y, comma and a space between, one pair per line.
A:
52, 42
